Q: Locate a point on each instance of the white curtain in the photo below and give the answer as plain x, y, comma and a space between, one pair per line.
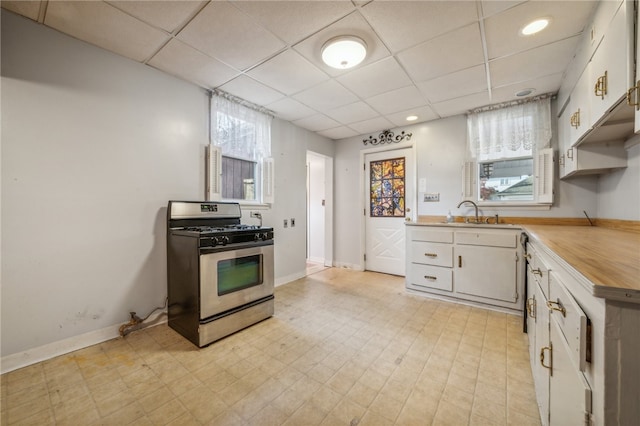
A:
239, 131
511, 131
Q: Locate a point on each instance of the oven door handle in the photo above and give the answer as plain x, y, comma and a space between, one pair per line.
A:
237, 246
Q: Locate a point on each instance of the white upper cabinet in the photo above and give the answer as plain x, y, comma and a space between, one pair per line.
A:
597, 121
611, 69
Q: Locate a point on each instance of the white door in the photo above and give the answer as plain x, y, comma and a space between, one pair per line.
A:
389, 194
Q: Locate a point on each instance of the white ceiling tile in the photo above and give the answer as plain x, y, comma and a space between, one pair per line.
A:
317, 122
451, 52
352, 113
461, 105
376, 78
454, 85
290, 109
184, 61
246, 88
222, 31
325, 96
166, 15
30, 9
337, 133
105, 26
502, 30
491, 7
371, 126
550, 59
397, 100
542, 85
293, 21
424, 114
354, 25
288, 72
412, 22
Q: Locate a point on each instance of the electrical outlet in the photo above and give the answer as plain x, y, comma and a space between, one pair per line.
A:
286, 223
293, 222
432, 197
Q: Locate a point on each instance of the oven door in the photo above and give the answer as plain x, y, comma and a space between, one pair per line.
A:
232, 278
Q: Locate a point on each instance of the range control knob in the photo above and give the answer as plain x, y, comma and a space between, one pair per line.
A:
224, 239
264, 236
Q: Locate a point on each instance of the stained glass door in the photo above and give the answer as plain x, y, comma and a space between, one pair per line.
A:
388, 186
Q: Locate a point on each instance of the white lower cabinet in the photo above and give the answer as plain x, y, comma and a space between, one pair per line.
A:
559, 347
478, 265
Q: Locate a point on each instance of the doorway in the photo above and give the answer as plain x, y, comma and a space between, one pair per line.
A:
389, 198
319, 212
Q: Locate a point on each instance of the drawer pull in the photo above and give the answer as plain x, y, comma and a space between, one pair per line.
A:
550, 366
459, 261
557, 306
531, 307
430, 277
536, 271
431, 254
601, 86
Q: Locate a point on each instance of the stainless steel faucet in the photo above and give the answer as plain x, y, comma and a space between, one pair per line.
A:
474, 205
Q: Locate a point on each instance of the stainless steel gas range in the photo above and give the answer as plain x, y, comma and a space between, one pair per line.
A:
220, 272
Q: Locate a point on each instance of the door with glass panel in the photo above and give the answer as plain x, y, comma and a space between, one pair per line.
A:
389, 191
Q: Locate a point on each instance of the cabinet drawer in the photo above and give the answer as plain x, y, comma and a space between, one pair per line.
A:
538, 269
491, 239
432, 254
571, 320
432, 235
431, 277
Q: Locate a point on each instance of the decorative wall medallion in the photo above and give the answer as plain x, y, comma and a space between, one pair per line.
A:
387, 136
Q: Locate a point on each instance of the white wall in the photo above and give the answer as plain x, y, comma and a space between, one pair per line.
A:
619, 191
93, 147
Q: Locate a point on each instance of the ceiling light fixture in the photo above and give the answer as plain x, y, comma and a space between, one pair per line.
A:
535, 26
412, 118
524, 92
344, 52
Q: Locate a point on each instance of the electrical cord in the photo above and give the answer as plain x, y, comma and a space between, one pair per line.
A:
166, 302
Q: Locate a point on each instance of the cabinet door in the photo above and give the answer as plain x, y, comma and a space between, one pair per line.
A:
488, 272
611, 67
580, 107
542, 354
567, 165
569, 392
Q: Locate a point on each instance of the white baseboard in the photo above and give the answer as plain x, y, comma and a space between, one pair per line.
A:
349, 266
51, 350
292, 277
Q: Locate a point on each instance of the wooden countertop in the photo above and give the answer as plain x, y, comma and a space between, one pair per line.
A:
609, 258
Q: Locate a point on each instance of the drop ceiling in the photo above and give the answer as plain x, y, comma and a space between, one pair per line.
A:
432, 59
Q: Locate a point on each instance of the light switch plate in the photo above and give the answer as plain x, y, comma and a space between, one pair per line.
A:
431, 197
422, 185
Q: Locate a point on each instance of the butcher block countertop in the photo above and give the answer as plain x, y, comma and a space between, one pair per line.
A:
609, 258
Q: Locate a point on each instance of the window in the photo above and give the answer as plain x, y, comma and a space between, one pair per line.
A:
240, 167
387, 188
509, 160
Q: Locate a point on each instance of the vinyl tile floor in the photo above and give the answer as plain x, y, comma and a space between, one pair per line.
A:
343, 348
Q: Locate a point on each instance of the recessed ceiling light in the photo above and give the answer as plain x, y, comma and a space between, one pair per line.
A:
344, 52
535, 26
412, 118
525, 92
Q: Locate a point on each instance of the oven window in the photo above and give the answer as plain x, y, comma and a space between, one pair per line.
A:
239, 273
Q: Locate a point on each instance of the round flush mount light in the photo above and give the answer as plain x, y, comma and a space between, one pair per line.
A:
412, 118
344, 52
525, 92
535, 26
